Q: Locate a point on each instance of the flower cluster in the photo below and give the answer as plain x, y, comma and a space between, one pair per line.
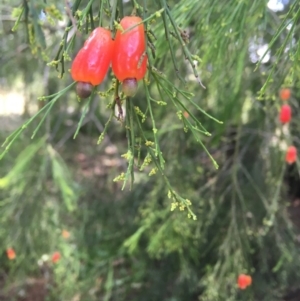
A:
55, 257
285, 116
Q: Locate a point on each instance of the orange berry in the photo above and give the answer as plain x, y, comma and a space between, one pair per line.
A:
65, 234
55, 257
249, 280
285, 114
291, 155
285, 94
186, 114
11, 254
243, 281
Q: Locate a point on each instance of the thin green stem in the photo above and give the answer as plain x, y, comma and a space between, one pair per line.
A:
61, 92
85, 110
113, 14
172, 192
167, 33
154, 129
12, 137
155, 15
101, 12
131, 142
184, 48
101, 137
15, 27
121, 12
92, 18
190, 100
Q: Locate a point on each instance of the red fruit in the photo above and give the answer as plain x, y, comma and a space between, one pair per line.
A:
92, 61
11, 254
244, 281
285, 114
285, 94
291, 155
55, 257
129, 61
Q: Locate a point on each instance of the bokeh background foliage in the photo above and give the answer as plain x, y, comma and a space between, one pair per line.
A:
128, 244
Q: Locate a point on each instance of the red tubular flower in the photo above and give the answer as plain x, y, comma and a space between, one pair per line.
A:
55, 257
291, 155
92, 61
129, 61
285, 114
285, 94
244, 281
11, 254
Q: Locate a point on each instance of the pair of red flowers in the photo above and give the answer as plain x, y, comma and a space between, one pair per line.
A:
285, 116
55, 257
126, 54
11, 255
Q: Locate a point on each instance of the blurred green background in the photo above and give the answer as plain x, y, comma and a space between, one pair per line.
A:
58, 194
